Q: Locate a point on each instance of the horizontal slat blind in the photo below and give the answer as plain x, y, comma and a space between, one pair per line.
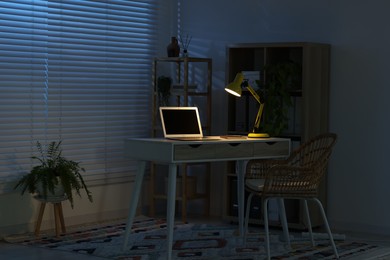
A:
87, 82
23, 84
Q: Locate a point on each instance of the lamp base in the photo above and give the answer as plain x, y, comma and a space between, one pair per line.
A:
258, 135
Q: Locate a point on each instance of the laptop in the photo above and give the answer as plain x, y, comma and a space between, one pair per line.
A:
183, 123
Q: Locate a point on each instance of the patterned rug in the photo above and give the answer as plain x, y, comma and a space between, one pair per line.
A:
194, 241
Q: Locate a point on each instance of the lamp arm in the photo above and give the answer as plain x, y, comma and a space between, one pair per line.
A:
260, 112
254, 93
258, 117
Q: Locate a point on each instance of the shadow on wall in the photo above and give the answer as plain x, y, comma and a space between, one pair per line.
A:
17, 213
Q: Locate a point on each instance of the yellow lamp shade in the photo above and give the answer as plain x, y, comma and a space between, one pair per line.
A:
234, 88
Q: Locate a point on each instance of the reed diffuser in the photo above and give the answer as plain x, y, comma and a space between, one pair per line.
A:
185, 42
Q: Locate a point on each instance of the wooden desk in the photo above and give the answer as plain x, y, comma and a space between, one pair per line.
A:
173, 152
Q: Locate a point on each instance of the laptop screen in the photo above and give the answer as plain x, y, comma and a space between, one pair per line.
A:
180, 122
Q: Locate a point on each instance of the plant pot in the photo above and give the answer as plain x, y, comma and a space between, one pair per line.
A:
58, 193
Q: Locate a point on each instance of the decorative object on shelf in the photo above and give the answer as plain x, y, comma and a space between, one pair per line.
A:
281, 78
235, 88
54, 172
164, 90
173, 49
185, 43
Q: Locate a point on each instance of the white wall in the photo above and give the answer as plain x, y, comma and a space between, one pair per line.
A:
359, 174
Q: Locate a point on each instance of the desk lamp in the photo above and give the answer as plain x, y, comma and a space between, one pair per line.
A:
235, 88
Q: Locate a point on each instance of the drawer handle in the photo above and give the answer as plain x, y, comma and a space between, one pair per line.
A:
270, 143
194, 145
234, 144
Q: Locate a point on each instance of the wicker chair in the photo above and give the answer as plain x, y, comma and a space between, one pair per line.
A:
297, 177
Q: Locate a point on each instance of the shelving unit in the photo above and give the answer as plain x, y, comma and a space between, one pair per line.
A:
307, 117
191, 86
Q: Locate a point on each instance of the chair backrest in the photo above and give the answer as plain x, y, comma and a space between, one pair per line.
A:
300, 174
316, 150
313, 157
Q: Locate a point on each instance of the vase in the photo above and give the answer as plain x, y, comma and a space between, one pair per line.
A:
173, 49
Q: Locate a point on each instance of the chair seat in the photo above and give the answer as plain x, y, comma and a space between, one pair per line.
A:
255, 184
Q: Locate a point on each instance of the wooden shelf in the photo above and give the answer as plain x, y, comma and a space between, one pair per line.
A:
179, 198
192, 78
189, 93
182, 59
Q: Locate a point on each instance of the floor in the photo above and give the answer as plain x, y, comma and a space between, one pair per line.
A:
15, 252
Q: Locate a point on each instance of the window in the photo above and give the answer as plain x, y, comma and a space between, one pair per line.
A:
76, 71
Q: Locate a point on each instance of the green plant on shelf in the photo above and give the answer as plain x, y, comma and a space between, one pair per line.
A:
281, 79
164, 90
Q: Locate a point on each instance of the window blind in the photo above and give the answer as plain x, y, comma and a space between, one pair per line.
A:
76, 71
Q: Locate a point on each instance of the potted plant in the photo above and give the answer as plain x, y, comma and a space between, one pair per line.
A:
164, 90
54, 173
282, 78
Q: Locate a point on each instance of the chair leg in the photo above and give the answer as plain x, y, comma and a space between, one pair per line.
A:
283, 219
327, 226
248, 206
306, 208
266, 228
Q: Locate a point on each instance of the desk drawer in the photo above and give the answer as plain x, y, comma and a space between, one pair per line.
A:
193, 152
234, 150
271, 149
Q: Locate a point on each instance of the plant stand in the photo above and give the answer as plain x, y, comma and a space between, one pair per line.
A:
58, 214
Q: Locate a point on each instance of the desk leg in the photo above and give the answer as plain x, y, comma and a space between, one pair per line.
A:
171, 206
240, 171
134, 200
